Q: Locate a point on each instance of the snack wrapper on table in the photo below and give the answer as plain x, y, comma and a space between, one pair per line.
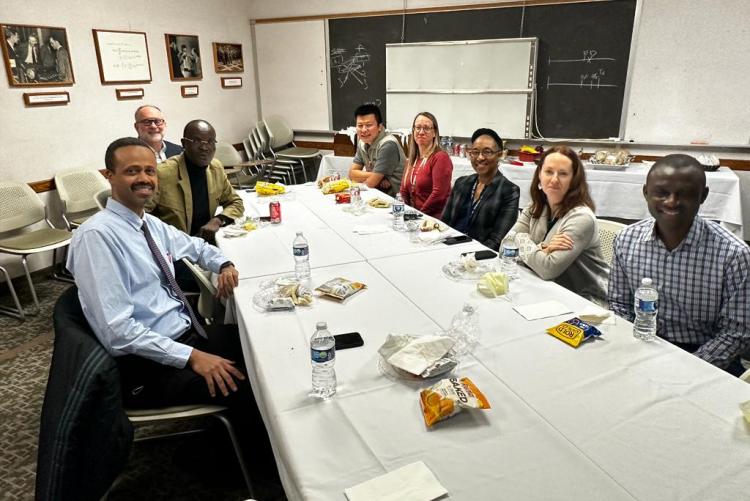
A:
340, 288
493, 284
448, 397
379, 203
574, 331
336, 186
265, 189
425, 356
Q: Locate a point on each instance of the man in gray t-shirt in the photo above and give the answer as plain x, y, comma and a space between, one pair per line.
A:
379, 162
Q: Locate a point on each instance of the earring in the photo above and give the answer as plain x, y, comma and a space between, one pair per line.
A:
539, 186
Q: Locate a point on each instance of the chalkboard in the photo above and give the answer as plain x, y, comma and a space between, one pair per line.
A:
583, 56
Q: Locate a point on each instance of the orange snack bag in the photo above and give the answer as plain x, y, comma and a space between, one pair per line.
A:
448, 397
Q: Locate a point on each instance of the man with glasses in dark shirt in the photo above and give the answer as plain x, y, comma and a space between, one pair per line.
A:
193, 185
150, 125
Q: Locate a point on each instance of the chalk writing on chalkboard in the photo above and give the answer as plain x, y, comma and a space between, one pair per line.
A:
350, 68
589, 79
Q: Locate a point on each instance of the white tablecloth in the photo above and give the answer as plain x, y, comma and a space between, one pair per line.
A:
616, 194
613, 419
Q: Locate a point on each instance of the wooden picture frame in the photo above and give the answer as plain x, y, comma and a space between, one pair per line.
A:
38, 56
122, 56
189, 90
184, 57
231, 82
228, 58
131, 93
46, 98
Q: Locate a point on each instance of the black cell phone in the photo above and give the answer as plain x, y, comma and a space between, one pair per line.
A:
266, 219
482, 254
457, 240
348, 340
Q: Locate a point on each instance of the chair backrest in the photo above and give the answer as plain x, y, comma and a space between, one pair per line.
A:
207, 300
19, 206
84, 434
262, 137
279, 132
249, 150
608, 231
77, 187
227, 154
101, 197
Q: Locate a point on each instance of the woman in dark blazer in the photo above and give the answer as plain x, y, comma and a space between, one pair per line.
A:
484, 205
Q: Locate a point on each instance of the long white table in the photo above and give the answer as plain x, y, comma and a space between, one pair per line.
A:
616, 194
613, 419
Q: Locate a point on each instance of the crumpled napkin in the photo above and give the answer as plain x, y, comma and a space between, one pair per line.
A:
418, 354
231, 232
413, 482
596, 315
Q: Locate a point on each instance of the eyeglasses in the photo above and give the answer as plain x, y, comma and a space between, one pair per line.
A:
200, 142
152, 121
426, 128
474, 153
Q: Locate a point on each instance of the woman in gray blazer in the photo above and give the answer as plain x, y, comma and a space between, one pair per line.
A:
557, 233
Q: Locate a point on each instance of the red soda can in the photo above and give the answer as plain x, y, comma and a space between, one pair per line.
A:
275, 210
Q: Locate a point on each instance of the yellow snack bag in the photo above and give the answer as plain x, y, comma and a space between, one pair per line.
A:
448, 397
574, 331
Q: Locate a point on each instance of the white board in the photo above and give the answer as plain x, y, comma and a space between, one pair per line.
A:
292, 73
465, 84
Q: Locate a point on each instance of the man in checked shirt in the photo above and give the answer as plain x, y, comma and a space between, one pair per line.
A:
701, 270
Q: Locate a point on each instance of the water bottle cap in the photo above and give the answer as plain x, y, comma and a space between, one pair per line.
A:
646, 281
469, 308
321, 326
299, 233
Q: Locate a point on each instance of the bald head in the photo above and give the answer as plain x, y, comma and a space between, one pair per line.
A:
199, 141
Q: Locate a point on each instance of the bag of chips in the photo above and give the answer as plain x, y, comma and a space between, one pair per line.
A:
340, 288
448, 397
574, 331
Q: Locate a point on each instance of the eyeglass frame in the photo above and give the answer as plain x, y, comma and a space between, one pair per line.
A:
201, 142
147, 122
423, 128
475, 152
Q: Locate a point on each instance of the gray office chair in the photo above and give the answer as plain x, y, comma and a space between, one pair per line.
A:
284, 167
76, 188
21, 208
281, 143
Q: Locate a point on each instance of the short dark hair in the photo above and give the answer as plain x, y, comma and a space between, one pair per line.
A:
109, 156
369, 109
678, 161
488, 132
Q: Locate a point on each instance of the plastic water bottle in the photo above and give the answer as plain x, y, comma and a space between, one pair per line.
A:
323, 358
301, 257
398, 213
509, 256
465, 329
646, 308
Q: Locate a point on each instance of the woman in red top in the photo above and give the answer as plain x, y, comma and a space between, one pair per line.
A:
427, 179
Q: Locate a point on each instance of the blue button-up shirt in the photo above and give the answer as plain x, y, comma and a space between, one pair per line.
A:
124, 294
703, 284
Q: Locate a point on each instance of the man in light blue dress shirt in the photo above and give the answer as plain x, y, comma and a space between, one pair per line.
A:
130, 305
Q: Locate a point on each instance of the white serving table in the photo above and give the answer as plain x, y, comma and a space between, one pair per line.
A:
614, 419
616, 194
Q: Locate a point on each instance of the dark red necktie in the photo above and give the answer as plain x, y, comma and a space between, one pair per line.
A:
171, 280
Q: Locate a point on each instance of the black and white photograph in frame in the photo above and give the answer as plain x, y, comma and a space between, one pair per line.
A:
228, 58
184, 57
36, 56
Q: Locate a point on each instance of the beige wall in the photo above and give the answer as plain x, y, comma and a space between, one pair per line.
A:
35, 142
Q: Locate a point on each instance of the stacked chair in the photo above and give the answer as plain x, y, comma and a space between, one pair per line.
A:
272, 139
21, 208
76, 189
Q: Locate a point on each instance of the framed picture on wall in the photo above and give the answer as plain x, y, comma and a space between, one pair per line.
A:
228, 58
36, 56
184, 56
122, 56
